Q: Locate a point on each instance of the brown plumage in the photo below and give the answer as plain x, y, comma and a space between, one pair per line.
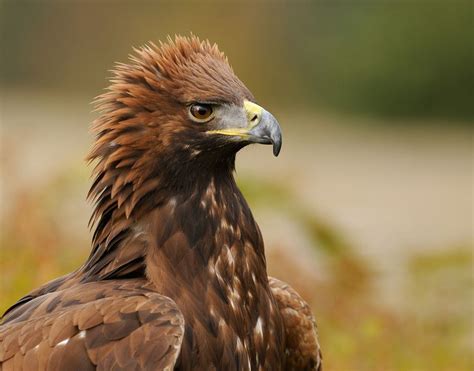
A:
176, 278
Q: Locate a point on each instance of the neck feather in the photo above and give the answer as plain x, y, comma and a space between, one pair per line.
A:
200, 246
159, 229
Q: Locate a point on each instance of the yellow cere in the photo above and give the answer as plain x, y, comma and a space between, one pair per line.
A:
252, 110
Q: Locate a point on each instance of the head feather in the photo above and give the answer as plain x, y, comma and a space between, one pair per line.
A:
143, 132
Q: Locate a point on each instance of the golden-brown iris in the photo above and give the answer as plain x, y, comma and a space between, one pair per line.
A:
201, 112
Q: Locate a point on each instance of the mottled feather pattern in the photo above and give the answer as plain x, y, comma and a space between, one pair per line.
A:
176, 277
114, 325
302, 346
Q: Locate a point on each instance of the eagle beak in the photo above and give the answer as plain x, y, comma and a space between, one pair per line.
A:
264, 127
261, 127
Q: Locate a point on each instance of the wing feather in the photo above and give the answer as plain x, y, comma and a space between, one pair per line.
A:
104, 325
302, 345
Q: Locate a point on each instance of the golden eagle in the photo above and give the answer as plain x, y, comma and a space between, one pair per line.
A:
176, 278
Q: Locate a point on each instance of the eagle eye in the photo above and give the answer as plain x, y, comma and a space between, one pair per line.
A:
201, 112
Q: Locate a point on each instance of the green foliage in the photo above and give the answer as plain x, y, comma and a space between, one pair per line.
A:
398, 59
383, 58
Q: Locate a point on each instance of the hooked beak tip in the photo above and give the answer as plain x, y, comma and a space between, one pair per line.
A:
268, 131
276, 145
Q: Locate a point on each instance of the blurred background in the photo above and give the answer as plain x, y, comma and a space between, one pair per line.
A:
368, 210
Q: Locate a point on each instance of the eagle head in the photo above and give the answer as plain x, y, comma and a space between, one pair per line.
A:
175, 106
171, 119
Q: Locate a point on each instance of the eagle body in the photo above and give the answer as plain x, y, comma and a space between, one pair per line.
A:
176, 278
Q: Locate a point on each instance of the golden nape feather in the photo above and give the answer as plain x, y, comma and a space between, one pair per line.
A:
176, 277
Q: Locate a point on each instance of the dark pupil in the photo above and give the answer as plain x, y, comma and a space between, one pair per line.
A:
201, 111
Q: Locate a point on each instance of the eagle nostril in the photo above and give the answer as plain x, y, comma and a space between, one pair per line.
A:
254, 117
